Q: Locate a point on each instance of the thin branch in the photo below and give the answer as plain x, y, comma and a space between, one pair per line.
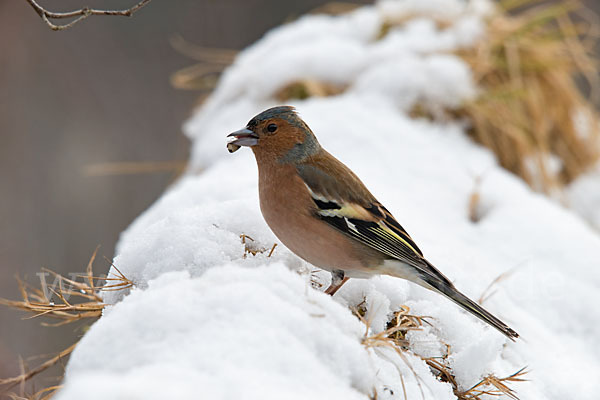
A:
79, 14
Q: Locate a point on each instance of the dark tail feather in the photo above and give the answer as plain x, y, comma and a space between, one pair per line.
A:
453, 294
426, 275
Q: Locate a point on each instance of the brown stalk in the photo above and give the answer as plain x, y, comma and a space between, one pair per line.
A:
25, 376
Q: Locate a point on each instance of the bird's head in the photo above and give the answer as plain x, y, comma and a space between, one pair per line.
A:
276, 134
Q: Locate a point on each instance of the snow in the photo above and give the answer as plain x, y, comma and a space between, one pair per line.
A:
228, 316
583, 196
207, 318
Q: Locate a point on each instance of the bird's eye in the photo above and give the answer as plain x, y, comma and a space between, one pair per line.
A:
271, 128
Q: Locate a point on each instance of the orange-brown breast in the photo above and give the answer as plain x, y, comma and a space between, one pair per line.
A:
288, 208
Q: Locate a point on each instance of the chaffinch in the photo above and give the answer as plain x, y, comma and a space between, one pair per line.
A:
323, 213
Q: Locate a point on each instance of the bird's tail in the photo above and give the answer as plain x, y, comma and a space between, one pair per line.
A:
453, 294
426, 275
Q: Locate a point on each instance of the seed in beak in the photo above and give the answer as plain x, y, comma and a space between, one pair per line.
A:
232, 148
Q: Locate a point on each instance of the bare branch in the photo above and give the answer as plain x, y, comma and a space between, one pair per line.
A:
80, 14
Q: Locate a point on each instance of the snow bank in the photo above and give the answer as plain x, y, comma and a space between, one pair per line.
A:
204, 319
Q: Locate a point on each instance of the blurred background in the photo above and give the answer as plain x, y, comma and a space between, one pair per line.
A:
96, 93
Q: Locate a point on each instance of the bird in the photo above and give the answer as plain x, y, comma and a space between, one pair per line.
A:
320, 210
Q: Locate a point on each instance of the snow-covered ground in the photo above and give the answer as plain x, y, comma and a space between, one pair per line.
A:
206, 321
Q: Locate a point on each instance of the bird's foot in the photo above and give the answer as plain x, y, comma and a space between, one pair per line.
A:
335, 287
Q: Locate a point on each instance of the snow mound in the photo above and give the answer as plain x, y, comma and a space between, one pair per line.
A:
260, 326
208, 318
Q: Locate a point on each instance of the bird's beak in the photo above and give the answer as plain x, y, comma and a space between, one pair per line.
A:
243, 137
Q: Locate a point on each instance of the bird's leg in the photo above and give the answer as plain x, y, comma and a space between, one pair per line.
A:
337, 280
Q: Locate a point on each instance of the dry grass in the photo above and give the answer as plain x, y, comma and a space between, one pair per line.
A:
488, 386
249, 249
204, 75
86, 295
43, 394
394, 339
493, 386
531, 106
530, 69
306, 88
69, 301
335, 8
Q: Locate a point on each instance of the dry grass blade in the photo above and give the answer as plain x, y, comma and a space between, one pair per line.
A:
122, 281
90, 269
306, 88
487, 293
203, 54
46, 393
204, 75
493, 386
443, 373
335, 8
9, 383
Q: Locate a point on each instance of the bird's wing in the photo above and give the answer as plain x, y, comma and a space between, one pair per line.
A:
347, 205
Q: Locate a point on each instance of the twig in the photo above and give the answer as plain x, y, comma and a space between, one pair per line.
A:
79, 14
